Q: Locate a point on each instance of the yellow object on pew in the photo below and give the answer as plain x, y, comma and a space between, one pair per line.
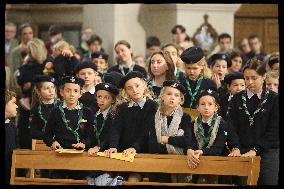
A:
69, 151
193, 113
118, 156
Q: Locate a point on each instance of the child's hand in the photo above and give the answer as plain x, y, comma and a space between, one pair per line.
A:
110, 151
217, 80
26, 59
66, 52
198, 153
129, 151
235, 153
79, 145
192, 159
93, 151
49, 65
250, 153
55, 145
165, 139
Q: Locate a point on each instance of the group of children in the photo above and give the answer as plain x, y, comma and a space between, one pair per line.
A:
236, 112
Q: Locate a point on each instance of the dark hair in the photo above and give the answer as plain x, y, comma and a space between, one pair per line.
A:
23, 26
273, 59
170, 73
235, 54
181, 27
94, 38
224, 35
152, 41
253, 37
187, 38
257, 65
55, 29
122, 42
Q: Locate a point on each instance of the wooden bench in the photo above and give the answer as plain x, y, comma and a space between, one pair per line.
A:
39, 145
151, 163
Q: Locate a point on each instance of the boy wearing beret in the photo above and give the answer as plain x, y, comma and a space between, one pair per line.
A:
100, 59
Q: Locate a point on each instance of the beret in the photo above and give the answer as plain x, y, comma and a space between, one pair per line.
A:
107, 87
72, 79
42, 78
210, 93
174, 84
113, 78
219, 56
231, 76
130, 75
192, 55
85, 64
100, 54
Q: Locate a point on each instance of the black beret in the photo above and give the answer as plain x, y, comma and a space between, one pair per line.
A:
107, 87
113, 78
192, 55
219, 56
54, 30
130, 75
175, 84
100, 54
210, 93
234, 75
273, 60
42, 78
85, 64
72, 79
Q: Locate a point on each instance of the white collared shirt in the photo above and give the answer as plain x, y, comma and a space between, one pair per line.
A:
78, 107
230, 97
92, 90
7, 121
140, 104
48, 102
104, 112
209, 120
250, 94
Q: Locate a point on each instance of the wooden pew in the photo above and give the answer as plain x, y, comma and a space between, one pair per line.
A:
39, 145
152, 163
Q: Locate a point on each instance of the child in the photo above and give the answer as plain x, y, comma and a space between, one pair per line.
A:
130, 127
170, 132
70, 124
106, 97
161, 68
219, 64
100, 59
254, 115
99, 78
272, 80
139, 60
88, 72
11, 142
237, 62
235, 83
43, 102
125, 63
274, 62
196, 79
209, 130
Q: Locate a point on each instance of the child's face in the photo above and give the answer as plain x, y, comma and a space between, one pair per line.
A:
253, 80
88, 75
98, 79
47, 91
158, 65
71, 92
193, 70
220, 68
104, 99
140, 61
135, 89
171, 97
272, 84
95, 46
11, 108
207, 106
101, 63
172, 51
236, 64
276, 67
236, 86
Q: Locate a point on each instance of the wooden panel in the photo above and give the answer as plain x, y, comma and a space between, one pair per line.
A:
39, 145
271, 33
46, 181
257, 10
169, 184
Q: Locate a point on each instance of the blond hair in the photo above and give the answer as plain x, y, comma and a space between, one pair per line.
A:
36, 96
272, 74
37, 50
162, 107
61, 45
9, 95
206, 72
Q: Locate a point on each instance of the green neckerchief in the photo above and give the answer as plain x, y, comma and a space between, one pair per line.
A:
194, 94
55, 102
80, 115
98, 132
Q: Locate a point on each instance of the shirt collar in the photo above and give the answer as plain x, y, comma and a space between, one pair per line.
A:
92, 90
104, 112
140, 104
230, 97
7, 121
209, 120
250, 94
48, 102
130, 66
78, 107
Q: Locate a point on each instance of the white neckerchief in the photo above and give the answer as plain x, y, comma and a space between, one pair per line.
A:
104, 112
130, 66
140, 104
209, 120
250, 94
48, 102
230, 97
78, 107
7, 121
92, 90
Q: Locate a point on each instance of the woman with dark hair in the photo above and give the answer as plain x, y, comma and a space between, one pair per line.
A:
237, 62
254, 118
161, 68
125, 62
